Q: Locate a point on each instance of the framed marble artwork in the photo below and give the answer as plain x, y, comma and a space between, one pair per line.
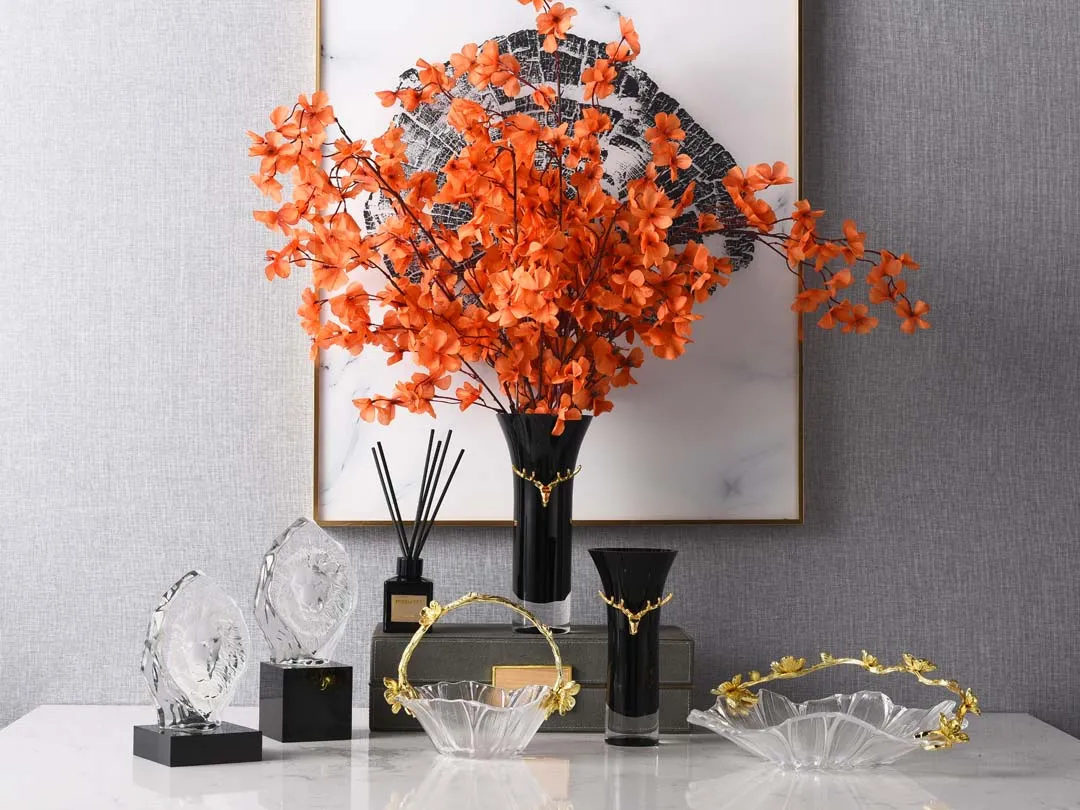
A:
714, 436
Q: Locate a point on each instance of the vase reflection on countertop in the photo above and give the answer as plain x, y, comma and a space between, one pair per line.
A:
456, 784
763, 786
631, 779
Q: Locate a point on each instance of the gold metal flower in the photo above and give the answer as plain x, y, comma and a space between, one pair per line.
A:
430, 614
561, 700
949, 732
913, 664
788, 665
870, 661
395, 692
738, 698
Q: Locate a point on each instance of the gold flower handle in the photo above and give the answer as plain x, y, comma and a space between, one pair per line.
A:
739, 699
560, 698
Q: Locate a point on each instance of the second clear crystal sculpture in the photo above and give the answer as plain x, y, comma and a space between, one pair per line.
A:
306, 593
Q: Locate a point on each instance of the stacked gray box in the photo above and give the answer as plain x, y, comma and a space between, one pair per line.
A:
462, 652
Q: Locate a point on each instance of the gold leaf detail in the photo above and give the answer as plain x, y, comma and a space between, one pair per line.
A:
870, 660
971, 702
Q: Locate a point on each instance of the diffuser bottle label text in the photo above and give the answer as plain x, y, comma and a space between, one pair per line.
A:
406, 607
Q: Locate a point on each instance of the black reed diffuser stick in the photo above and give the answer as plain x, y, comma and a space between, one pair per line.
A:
413, 540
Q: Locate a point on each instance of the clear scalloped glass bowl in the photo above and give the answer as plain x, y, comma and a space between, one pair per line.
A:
834, 733
477, 720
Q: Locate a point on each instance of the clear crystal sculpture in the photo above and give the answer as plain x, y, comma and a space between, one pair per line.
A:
196, 649
470, 719
306, 593
839, 732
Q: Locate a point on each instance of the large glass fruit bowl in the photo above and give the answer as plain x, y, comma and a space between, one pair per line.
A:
838, 732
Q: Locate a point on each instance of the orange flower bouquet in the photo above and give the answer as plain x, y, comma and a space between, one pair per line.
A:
517, 254
517, 274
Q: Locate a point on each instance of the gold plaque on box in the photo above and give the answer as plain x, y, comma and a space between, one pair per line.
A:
515, 677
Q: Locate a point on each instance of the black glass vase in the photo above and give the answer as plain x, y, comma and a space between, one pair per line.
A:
543, 471
633, 579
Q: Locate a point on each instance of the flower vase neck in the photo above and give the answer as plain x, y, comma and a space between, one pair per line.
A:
533, 448
633, 575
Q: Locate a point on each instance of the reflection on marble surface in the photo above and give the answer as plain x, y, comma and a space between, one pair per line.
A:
316, 775
630, 778
766, 787
64, 757
452, 784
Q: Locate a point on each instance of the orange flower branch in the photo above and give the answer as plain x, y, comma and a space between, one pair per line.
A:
514, 255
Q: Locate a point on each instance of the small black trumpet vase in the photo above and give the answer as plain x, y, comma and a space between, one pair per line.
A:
544, 468
633, 579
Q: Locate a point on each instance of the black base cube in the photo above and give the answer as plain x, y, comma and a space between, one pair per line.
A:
220, 746
305, 703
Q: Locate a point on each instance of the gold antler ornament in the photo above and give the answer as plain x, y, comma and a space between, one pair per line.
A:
635, 618
545, 489
740, 700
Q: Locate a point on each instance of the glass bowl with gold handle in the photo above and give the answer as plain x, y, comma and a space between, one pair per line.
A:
472, 719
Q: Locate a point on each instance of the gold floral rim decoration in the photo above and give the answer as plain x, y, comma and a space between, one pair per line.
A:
561, 697
740, 700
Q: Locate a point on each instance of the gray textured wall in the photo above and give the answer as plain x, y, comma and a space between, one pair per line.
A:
154, 409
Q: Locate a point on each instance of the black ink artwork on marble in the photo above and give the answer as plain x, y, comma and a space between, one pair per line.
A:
431, 142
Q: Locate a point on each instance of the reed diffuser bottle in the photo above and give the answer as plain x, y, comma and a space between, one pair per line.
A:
406, 594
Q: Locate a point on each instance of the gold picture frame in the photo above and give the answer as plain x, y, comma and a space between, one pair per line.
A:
799, 371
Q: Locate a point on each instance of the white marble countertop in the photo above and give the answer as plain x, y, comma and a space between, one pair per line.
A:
79, 758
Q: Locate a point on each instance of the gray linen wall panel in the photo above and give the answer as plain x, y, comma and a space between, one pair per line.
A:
155, 403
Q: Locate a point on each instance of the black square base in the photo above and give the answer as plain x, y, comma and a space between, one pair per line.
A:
220, 746
304, 704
